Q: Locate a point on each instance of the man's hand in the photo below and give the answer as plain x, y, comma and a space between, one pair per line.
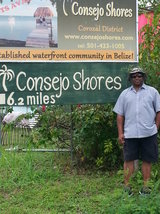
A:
121, 139
120, 125
157, 120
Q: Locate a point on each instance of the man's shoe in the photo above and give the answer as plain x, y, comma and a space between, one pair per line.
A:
145, 191
128, 190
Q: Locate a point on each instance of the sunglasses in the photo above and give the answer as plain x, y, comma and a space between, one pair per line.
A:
134, 76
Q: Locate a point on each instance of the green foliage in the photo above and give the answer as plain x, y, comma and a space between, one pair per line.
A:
149, 48
147, 5
53, 127
95, 135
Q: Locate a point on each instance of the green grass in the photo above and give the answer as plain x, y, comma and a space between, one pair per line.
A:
46, 183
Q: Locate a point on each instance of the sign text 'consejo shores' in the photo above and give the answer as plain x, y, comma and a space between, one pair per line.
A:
47, 89
78, 9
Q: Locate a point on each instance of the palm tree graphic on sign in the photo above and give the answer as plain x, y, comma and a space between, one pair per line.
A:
7, 74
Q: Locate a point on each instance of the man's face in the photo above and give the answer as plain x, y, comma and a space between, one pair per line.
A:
137, 79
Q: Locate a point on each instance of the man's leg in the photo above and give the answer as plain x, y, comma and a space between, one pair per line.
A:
146, 171
128, 171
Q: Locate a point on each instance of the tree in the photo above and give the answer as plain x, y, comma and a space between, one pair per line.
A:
147, 5
149, 54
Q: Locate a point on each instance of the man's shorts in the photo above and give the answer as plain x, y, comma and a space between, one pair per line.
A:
145, 149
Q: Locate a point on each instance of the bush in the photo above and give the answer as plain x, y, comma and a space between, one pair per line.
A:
95, 136
149, 48
94, 133
53, 127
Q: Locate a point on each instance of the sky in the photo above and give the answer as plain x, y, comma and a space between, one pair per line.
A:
9, 8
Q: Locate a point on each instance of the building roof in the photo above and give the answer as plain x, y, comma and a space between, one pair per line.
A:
43, 12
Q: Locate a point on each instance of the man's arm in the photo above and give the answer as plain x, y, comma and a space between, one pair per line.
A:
157, 120
120, 125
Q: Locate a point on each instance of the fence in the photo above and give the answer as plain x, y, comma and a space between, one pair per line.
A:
14, 136
15, 133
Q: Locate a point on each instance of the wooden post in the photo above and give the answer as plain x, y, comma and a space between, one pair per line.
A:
1, 114
51, 29
71, 134
0, 129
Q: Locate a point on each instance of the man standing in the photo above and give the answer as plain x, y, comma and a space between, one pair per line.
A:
138, 121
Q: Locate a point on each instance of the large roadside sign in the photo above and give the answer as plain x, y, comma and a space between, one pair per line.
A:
24, 84
68, 30
65, 51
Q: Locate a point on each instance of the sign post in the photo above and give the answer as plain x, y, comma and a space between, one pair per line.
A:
0, 130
